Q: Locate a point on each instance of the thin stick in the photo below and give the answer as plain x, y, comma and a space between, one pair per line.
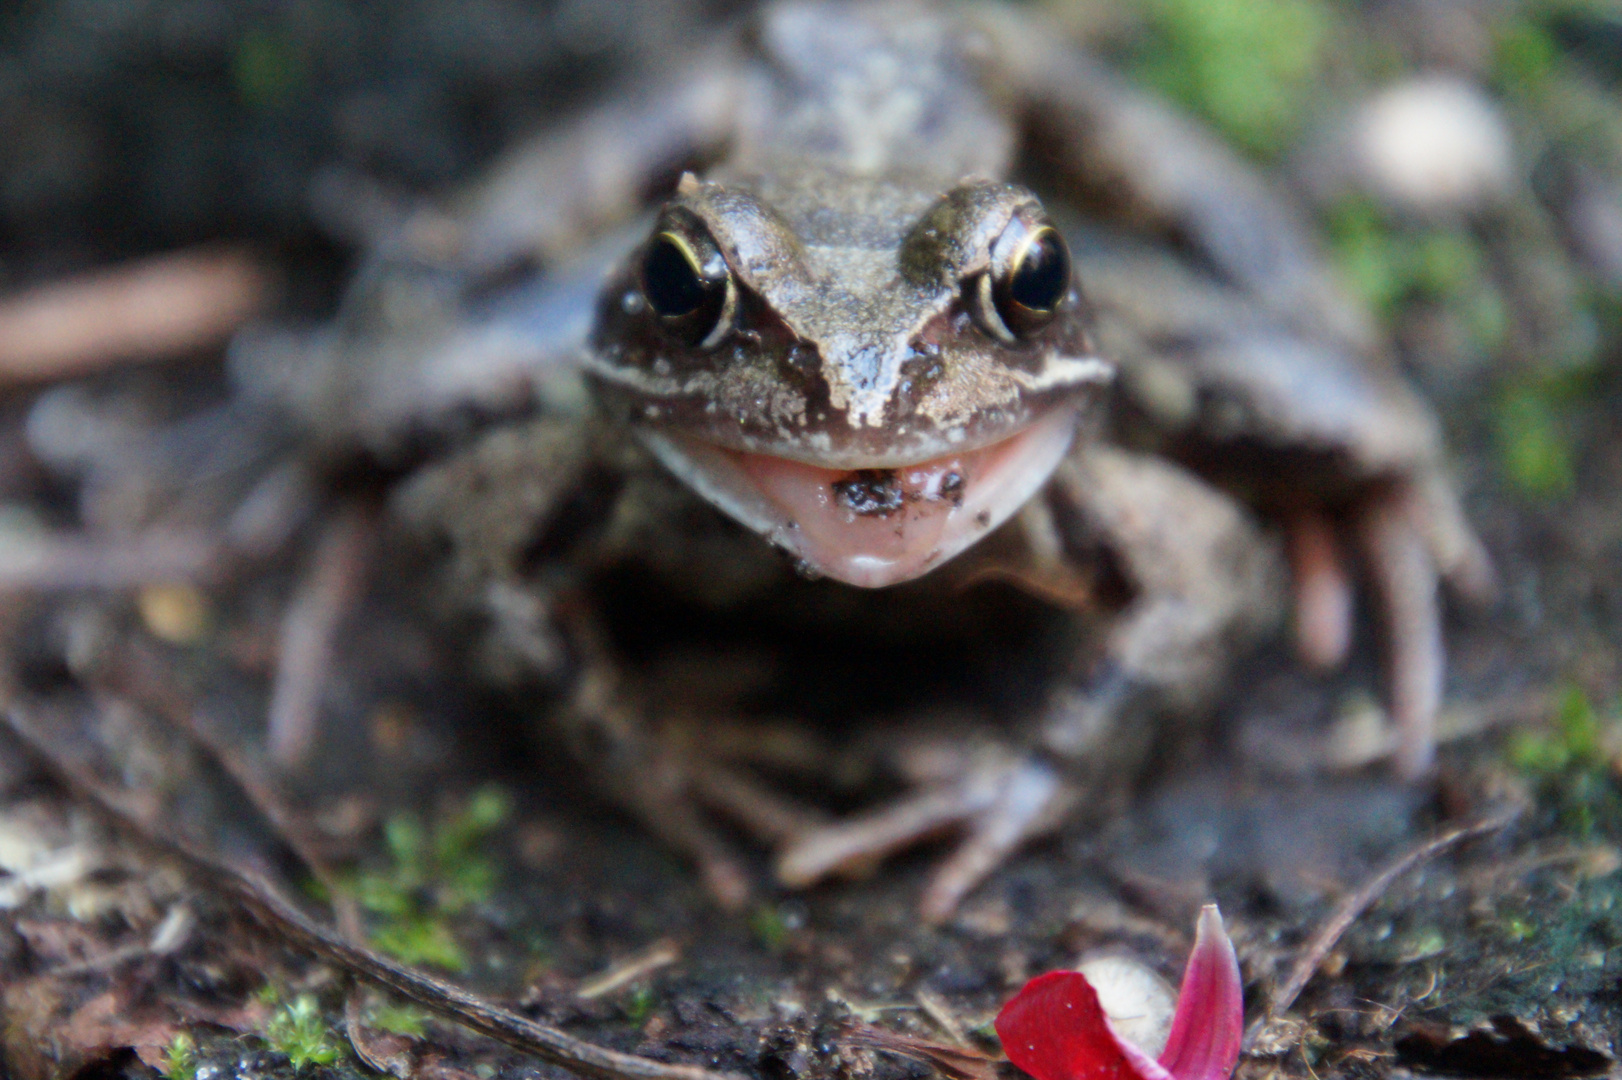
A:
953, 1062
1357, 902
139, 673
147, 310
659, 955
158, 557
298, 931
936, 1009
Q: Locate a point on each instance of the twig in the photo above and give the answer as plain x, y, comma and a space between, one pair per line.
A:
310, 627
937, 1010
953, 1062
147, 310
94, 562
138, 673
1348, 910
658, 955
299, 932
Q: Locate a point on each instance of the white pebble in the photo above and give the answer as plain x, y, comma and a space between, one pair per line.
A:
1434, 144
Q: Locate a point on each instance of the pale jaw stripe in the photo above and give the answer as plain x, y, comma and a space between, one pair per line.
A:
1066, 371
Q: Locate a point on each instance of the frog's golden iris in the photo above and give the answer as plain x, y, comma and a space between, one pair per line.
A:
687, 285
1030, 277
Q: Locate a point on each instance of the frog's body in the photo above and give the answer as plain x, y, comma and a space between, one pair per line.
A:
854, 336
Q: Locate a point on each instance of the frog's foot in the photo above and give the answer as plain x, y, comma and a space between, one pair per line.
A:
1412, 537
672, 781
664, 800
999, 801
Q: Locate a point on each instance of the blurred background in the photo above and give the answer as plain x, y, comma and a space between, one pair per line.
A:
1464, 156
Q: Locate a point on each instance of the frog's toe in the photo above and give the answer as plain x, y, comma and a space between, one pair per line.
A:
767, 816
1407, 584
677, 821
1033, 800
1322, 591
1460, 555
1001, 806
1413, 538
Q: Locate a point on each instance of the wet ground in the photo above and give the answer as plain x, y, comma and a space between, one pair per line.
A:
472, 850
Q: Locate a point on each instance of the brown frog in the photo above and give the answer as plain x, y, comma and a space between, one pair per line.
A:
848, 335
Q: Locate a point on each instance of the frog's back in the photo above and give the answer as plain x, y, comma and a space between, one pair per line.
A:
888, 92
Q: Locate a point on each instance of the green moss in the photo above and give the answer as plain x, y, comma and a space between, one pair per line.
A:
417, 938
1525, 56
638, 1004
770, 928
433, 874
1389, 264
1392, 265
298, 1030
1538, 421
1575, 742
267, 69
1528, 60
1536, 450
1247, 66
180, 1057
1570, 768
405, 1020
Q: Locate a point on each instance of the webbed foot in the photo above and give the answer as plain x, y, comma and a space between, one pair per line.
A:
1412, 537
1000, 800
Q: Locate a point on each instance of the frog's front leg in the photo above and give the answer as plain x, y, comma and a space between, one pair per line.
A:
1205, 584
1206, 581
1333, 442
500, 504
478, 305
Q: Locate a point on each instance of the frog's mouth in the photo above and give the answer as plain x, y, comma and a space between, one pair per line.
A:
872, 527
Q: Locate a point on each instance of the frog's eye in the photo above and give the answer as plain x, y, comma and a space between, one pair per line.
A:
1028, 281
689, 288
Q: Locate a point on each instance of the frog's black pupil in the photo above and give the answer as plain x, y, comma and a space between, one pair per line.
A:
1042, 276
673, 286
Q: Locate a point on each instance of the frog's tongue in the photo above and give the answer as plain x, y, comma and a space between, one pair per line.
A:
873, 527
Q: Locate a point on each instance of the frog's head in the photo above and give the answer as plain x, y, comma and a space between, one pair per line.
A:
872, 384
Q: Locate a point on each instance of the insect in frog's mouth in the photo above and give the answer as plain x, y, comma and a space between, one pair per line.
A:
872, 527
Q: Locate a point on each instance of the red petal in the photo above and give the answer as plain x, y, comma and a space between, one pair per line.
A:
1053, 1029
1210, 1018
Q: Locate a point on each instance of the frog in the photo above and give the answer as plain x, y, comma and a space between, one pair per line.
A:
785, 330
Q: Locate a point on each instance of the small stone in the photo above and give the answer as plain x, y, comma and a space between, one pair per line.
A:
1434, 144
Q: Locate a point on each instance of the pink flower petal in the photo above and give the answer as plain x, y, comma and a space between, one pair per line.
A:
1053, 1029
1210, 1020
